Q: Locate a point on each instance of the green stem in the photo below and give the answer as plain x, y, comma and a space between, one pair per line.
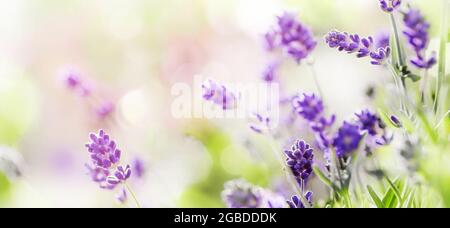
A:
348, 201
423, 87
132, 194
401, 59
442, 53
316, 80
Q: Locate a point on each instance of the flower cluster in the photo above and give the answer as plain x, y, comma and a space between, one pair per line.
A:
261, 125
310, 107
300, 160
347, 139
219, 95
389, 6
105, 157
239, 193
292, 37
375, 128
353, 43
295, 202
73, 80
416, 31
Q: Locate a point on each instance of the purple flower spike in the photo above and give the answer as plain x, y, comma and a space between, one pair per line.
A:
123, 173
219, 95
389, 5
72, 80
368, 122
297, 203
309, 106
416, 31
363, 47
241, 194
347, 139
105, 156
292, 37
300, 160
379, 56
103, 150
105, 110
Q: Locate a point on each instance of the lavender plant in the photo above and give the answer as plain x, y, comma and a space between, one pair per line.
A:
105, 168
351, 149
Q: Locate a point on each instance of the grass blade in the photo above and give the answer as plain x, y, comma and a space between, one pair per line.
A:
375, 197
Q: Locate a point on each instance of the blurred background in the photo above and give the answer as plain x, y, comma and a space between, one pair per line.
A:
130, 54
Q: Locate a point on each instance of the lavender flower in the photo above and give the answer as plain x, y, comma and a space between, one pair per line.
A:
262, 125
72, 80
389, 5
219, 95
138, 167
105, 109
104, 152
416, 31
99, 175
363, 47
105, 157
309, 106
292, 36
269, 73
297, 203
241, 194
120, 175
395, 121
375, 128
368, 121
300, 160
382, 39
347, 139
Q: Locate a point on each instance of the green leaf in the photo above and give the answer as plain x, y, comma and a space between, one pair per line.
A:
389, 199
427, 126
322, 176
442, 55
375, 197
394, 188
410, 202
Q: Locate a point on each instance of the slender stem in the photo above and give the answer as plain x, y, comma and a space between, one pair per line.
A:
348, 201
442, 53
442, 120
397, 85
132, 194
423, 87
316, 80
401, 59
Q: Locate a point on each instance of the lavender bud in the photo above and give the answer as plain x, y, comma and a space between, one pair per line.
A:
389, 6
395, 121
